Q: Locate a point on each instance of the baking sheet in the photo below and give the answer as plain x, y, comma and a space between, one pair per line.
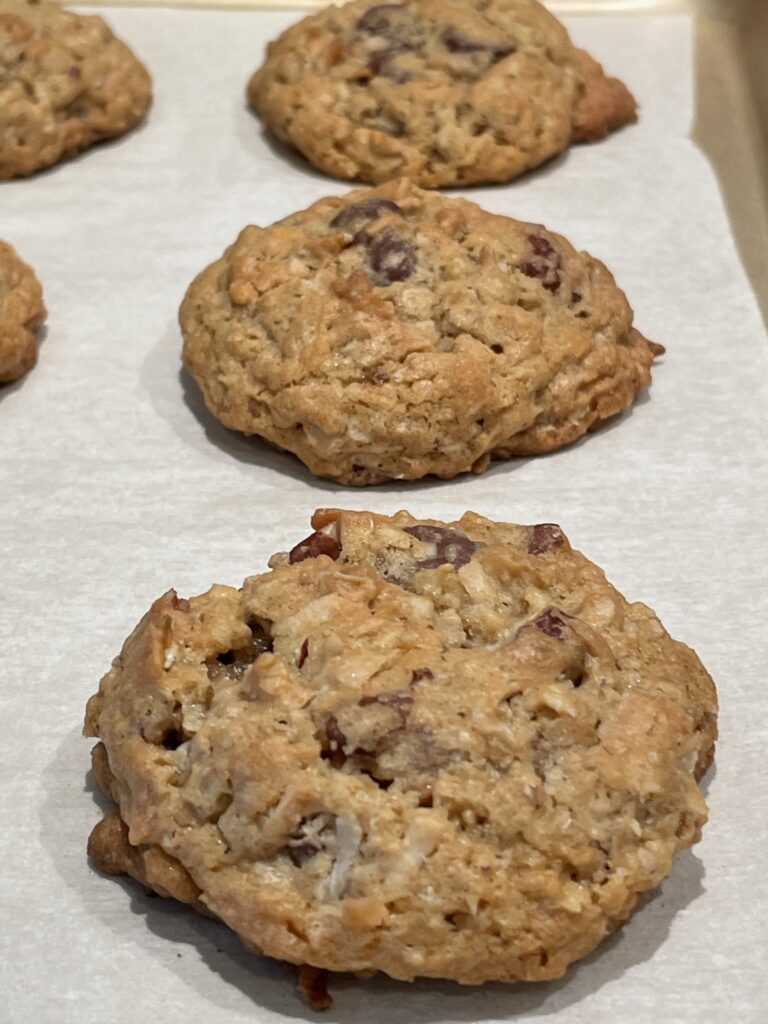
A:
116, 485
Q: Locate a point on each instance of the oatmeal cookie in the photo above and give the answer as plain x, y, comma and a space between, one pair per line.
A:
448, 92
428, 749
66, 82
21, 313
395, 332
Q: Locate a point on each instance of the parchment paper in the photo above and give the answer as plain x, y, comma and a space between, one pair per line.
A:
117, 484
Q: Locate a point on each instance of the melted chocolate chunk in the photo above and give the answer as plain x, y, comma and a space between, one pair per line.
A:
313, 986
456, 42
382, 19
551, 623
232, 664
392, 257
385, 63
316, 544
421, 673
545, 537
352, 215
453, 548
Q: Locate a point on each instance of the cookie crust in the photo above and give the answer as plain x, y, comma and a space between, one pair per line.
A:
395, 333
21, 313
66, 82
448, 93
443, 750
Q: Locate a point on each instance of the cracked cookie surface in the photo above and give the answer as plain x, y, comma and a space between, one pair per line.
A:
428, 749
66, 82
448, 93
394, 333
21, 313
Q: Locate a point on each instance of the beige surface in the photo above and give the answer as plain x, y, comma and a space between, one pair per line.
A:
731, 123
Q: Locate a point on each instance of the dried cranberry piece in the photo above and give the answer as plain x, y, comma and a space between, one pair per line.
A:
457, 42
392, 257
453, 547
303, 653
364, 210
384, 63
551, 623
74, 73
380, 20
316, 544
541, 246
180, 604
545, 537
545, 264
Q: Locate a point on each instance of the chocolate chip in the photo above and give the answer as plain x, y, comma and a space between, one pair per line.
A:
74, 73
457, 42
303, 852
316, 544
545, 263
380, 20
232, 664
364, 210
303, 653
392, 257
421, 673
551, 623
576, 298
452, 547
545, 537
334, 743
385, 63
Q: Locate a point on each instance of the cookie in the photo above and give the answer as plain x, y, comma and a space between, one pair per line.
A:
21, 313
447, 92
395, 332
444, 750
66, 82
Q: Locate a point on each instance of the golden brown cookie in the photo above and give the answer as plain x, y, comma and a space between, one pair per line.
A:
395, 332
21, 313
448, 92
66, 82
444, 750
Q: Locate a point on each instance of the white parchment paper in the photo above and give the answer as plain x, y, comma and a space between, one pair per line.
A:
116, 484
